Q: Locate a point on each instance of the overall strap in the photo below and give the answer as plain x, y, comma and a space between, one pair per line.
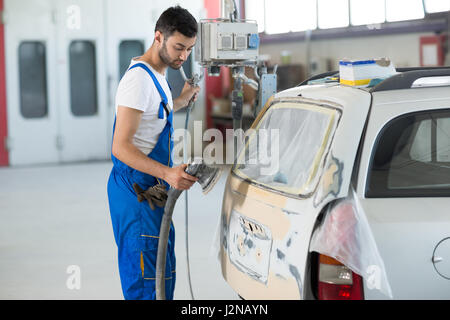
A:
163, 105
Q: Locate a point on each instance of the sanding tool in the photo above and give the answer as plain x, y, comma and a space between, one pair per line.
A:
207, 178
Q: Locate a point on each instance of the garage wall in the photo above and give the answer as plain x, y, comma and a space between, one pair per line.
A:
402, 49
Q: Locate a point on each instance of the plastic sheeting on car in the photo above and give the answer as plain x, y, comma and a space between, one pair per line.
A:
285, 150
346, 236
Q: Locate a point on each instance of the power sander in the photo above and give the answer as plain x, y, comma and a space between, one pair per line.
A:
207, 178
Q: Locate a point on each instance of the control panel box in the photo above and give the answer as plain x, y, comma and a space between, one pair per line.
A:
225, 42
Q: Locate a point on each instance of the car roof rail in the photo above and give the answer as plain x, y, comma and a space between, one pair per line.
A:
407, 78
404, 80
319, 76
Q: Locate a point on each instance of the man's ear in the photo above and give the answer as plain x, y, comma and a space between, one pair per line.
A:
159, 37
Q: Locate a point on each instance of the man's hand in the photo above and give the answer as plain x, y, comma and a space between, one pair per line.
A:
178, 178
189, 92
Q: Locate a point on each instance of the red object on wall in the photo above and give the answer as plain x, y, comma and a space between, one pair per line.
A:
432, 51
3, 121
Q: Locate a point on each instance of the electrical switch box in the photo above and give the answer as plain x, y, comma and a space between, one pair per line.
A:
222, 42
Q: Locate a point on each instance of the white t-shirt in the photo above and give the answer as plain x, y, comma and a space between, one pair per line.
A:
137, 90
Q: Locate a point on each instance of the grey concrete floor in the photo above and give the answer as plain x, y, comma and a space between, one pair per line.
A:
53, 217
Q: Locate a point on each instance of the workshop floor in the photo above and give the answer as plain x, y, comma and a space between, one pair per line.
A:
54, 217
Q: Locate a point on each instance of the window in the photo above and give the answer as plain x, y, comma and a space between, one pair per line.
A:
421, 146
367, 11
83, 78
285, 150
286, 16
128, 49
333, 13
33, 79
254, 10
397, 10
443, 140
437, 5
411, 157
282, 16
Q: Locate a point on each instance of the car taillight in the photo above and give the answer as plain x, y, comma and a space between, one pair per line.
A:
337, 282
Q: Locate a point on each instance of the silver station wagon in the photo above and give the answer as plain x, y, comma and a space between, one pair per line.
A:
355, 203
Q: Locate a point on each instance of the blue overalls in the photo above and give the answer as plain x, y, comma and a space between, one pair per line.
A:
136, 226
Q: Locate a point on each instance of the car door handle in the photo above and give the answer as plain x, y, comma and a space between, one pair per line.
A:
437, 259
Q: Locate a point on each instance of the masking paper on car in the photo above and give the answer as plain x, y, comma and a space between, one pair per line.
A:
346, 236
285, 151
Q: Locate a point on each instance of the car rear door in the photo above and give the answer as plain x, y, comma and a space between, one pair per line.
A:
404, 188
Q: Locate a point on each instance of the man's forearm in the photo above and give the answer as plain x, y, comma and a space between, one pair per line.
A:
135, 158
178, 104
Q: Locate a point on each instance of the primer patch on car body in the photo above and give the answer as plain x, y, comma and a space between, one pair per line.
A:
331, 181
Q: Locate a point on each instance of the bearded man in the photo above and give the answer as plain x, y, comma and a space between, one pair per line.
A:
141, 154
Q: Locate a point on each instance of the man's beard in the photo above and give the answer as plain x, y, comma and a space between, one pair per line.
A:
164, 55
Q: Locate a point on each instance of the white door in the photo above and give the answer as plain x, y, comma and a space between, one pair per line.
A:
404, 186
81, 69
31, 84
130, 26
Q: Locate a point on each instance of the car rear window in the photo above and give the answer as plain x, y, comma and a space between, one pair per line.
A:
287, 146
411, 157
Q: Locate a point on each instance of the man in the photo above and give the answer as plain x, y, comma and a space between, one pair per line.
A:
141, 148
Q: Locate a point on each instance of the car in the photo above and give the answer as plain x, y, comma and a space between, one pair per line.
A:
357, 205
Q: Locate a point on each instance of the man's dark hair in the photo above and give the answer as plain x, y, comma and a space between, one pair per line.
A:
176, 19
